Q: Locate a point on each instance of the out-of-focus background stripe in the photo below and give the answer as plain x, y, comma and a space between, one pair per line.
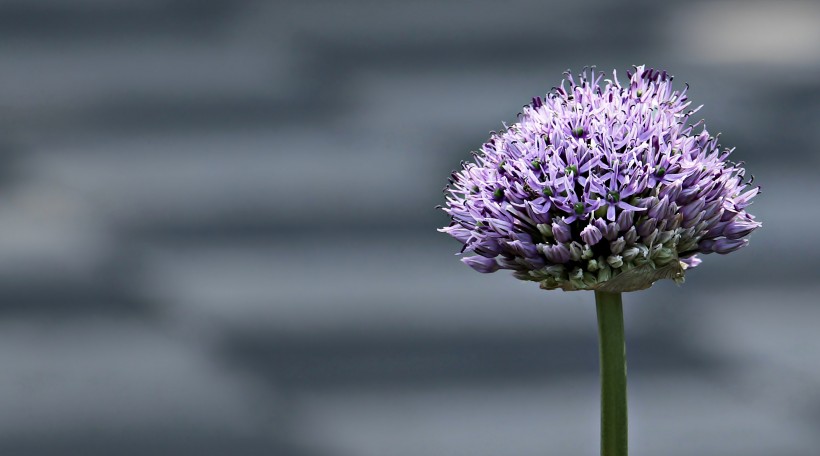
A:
217, 232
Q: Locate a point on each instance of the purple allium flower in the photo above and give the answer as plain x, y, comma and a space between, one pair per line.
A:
601, 186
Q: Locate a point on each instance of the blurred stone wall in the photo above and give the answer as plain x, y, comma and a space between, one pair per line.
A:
217, 232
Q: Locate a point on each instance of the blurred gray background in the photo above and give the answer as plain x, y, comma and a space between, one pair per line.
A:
217, 233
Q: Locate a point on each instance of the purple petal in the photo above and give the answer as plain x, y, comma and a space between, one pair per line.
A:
628, 207
691, 261
481, 264
724, 246
740, 228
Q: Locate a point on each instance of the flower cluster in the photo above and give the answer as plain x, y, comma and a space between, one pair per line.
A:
602, 187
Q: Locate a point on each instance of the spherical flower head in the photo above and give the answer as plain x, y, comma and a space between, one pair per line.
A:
600, 186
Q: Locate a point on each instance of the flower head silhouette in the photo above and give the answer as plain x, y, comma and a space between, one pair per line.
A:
600, 186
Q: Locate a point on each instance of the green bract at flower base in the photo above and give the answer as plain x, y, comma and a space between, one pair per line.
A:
634, 279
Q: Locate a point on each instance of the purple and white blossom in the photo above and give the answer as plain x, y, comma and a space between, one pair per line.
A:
601, 185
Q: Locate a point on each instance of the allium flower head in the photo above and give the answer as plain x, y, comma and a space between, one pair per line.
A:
600, 186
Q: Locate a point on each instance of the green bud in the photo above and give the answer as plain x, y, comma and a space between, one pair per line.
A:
522, 275
616, 261
664, 256
631, 236
664, 236
604, 273
577, 279
545, 229
630, 253
575, 251
549, 283
558, 271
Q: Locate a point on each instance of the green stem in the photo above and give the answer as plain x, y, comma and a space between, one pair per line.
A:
612, 350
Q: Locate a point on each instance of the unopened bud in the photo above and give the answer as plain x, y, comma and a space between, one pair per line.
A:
591, 234
647, 226
616, 261
663, 256
625, 220
544, 229
611, 231
575, 251
664, 236
650, 238
630, 253
617, 246
658, 211
561, 231
557, 254
739, 228
604, 273
631, 236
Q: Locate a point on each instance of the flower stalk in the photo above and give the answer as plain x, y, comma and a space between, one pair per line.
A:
612, 354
